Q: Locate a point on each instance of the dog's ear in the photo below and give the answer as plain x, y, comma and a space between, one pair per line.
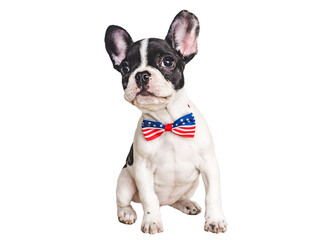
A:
183, 35
117, 42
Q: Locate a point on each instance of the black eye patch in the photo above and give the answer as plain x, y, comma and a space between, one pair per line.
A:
160, 54
130, 63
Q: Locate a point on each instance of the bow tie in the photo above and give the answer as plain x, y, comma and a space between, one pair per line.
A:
184, 127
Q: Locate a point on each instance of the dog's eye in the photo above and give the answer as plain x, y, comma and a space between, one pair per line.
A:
168, 62
125, 68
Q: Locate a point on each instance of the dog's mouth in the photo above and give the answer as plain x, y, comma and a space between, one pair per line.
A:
145, 98
145, 93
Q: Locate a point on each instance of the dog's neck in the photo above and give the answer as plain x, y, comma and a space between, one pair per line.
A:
176, 108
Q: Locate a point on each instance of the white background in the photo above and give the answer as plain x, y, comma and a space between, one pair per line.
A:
66, 130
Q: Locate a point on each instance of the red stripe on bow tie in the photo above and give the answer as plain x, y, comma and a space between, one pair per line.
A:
178, 130
152, 133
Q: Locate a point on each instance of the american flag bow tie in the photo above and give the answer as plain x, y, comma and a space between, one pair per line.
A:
184, 127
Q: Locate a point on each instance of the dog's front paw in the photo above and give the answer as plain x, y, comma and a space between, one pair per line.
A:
215, 225
127, 215
151, 224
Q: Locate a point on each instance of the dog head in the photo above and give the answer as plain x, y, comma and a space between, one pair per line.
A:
152, 69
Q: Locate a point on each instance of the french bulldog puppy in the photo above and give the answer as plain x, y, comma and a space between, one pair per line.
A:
172, 144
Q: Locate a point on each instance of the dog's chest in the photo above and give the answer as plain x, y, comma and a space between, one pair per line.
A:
174, 164
175, 161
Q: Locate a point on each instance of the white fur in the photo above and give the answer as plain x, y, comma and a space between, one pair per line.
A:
143, 52
166, 170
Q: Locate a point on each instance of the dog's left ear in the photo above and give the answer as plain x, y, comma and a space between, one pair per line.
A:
183, 35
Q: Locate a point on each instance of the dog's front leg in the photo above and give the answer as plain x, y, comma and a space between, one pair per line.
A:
144, 179
215, 220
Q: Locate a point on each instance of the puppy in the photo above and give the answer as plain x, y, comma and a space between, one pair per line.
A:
172, 144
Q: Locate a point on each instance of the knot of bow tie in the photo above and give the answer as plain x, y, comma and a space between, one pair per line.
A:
184, 127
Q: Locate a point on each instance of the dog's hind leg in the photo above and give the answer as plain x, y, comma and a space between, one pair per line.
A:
187, 206
126, 189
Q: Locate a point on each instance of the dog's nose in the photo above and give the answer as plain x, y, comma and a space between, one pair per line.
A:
142, 78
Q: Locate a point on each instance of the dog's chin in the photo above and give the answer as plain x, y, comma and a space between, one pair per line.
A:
149, 100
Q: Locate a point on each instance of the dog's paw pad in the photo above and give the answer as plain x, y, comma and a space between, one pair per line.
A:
127, 215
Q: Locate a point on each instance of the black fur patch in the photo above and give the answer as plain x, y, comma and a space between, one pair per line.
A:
157, 50
129, 160
133, 60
